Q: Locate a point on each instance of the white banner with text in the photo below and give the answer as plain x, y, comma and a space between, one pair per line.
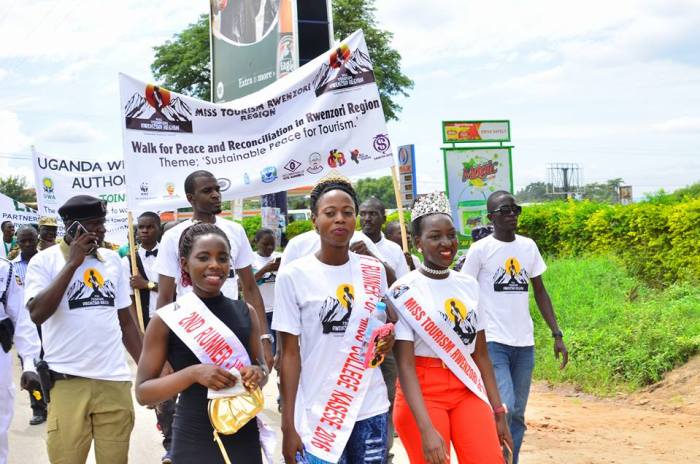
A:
58, 179
325, 115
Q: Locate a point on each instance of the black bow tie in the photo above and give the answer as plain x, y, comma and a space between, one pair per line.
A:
153, 253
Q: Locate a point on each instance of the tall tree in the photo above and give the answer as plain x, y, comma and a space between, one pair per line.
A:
182, 64
350, 15
16, 187
381, 187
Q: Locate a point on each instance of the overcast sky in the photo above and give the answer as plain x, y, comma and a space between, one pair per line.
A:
611, 85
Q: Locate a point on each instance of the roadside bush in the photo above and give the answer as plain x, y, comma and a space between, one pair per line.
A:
298, 227
251, 224
657, 242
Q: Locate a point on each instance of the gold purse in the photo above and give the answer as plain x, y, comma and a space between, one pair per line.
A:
228, 415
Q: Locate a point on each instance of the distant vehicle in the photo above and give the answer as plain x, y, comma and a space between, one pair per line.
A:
298, 215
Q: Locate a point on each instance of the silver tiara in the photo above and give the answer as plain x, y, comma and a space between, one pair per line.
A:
430, 203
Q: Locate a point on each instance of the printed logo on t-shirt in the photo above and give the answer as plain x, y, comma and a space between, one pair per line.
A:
398, 291
335, 312
93, 290
511, 278
463, 321
18, 279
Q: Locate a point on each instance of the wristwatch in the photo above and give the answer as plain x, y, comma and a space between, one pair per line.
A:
502, 409
267, 337
558, 334
151, 285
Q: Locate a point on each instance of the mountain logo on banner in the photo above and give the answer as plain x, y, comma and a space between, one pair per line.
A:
344, 70
155, 110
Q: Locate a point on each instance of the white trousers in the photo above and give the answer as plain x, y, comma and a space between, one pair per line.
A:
7, 402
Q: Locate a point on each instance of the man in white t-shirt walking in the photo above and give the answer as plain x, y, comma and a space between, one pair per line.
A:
79, 293
505, 264
203, 193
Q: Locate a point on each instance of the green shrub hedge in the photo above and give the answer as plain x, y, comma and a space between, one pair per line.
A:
659, 243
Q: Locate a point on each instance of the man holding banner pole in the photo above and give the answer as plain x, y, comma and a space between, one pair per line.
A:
203, 193
144, 284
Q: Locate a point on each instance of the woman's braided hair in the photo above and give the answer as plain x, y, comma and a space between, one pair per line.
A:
333, 181
190, 235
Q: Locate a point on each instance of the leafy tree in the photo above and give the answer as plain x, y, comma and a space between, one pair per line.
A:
182, 64
350, 15
382, 188
16, 187
607, 192
535, 192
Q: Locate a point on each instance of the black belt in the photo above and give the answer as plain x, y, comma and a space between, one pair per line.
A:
59, 376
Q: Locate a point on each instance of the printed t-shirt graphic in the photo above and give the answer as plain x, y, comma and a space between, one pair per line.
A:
462, 319
511, 277
90, 291
335, 311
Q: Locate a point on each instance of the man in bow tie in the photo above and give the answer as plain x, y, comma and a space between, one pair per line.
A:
146, 280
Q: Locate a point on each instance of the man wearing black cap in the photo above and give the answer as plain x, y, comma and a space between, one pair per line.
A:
79, 293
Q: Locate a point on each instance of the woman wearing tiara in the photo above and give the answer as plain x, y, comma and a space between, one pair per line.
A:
448, 392
333, 409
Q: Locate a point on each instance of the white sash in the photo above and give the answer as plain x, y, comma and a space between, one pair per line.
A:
213, 342
332, 416
433, 330
209, 339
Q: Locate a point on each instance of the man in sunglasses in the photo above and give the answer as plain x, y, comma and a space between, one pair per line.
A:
506, 264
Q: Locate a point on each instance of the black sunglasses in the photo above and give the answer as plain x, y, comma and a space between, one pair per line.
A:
515, 209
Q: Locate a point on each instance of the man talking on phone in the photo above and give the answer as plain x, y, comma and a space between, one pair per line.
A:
80, 295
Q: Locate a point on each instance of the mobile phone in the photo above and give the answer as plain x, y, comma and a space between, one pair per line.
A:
278, 259
76, 229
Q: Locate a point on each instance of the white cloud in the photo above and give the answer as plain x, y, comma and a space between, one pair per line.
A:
12, 137
684, 125
70, 132
3, 73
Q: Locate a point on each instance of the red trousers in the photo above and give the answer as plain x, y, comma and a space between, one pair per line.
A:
460, 417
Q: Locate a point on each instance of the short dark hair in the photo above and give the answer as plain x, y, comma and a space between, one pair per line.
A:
192, 178
377, 202
262, 232
324, 187
27, 227
192, 233
4, 223
391, 225
490, 202
152, 215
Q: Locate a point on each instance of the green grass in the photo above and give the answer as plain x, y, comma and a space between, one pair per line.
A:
615, 345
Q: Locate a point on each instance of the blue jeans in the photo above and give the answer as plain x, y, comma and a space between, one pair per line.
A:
272, 332
367, 443
513, 368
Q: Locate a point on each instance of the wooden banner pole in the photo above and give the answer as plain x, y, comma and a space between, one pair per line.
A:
135, 271
399, 207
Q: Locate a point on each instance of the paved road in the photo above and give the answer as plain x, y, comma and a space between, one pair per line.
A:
27, 442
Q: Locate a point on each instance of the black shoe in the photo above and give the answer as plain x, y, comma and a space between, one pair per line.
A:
37, 419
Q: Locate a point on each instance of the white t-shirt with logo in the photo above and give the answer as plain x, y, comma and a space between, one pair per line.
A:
312, 301
457, 300
151, 276
309, 243
266, 284
83, 337
168, 261
504, 270
393, 255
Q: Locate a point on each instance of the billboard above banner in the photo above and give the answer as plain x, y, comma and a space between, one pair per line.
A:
475, 131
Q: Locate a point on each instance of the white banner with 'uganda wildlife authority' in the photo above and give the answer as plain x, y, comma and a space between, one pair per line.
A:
58, 179
325, 115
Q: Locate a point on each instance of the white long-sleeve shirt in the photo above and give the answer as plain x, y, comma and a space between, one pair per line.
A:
26, 337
